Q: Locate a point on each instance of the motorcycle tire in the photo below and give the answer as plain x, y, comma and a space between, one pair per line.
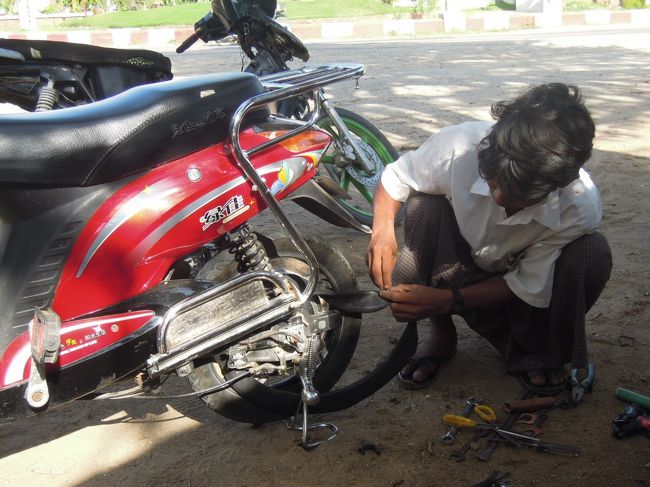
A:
341, 342
359, 185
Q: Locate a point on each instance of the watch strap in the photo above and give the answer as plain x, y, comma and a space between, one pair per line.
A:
458, 304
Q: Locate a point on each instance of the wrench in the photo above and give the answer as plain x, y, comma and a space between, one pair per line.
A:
450, 436
484, 454
459, 455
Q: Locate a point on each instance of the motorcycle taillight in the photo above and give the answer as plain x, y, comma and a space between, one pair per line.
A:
310, 140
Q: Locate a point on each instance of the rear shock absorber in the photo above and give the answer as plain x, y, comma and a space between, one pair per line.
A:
249, 253
47, 98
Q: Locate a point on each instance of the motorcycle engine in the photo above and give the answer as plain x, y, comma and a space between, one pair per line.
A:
279, 350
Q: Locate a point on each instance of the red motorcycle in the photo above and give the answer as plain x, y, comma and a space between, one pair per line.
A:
50, 75
128, 253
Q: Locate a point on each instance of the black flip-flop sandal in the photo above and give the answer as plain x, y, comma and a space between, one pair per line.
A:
545, 390
408, 382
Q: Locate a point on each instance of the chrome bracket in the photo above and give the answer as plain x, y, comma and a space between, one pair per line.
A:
305, 428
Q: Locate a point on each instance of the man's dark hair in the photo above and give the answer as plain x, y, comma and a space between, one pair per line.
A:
539, 142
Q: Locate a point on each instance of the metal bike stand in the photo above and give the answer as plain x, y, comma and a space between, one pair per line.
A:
305, 442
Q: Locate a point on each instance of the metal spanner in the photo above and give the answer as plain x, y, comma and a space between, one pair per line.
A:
450, 436
460, 454
512, 437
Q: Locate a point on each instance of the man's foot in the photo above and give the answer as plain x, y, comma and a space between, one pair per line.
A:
437, 349
545, 382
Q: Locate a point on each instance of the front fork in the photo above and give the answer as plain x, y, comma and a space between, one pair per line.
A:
345, 135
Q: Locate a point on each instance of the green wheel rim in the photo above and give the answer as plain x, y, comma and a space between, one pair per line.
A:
344, 178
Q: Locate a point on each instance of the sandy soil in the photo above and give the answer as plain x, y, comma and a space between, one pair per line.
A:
412, 88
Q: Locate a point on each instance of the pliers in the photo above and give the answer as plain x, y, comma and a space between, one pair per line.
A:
580, 387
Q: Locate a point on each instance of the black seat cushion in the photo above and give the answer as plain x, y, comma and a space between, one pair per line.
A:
69, 52
140, 128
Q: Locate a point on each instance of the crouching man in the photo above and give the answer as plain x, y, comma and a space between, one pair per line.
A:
500, 229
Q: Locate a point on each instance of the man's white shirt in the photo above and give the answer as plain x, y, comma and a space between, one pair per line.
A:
524, 246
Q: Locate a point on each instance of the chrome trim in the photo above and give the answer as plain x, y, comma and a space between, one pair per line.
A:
224, 333
280, 86
195, 300
163, 363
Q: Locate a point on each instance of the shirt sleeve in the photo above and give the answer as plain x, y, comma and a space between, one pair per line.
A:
424, 170
532, 278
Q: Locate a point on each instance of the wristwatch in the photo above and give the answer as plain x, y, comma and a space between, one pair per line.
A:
458, 304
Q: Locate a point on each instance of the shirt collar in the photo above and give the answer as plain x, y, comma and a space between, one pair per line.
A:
546, 212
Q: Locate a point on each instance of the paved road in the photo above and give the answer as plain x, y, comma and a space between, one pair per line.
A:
415, 86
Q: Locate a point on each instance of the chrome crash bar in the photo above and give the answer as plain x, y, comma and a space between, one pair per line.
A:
281, 86
279, 305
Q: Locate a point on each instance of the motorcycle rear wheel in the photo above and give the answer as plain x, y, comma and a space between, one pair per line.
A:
359, 184
340, 343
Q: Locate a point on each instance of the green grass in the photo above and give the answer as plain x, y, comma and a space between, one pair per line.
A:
187, 14
331, 9
178, 15
578, 5
494, 5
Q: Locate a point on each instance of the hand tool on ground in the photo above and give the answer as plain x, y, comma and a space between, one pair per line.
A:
533, 419
542, 446
527, 429
581, 387
459, 454
486, 413
484, 454
529, 424
496, 479
530, 405
633, 421
560, 404
633, 397
450, 436
511, 436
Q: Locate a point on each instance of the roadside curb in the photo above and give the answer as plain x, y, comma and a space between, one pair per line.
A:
448, 22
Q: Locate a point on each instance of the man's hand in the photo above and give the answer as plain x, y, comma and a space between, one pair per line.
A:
381, 257
411, 302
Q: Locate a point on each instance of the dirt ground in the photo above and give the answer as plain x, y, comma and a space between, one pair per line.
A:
412, 88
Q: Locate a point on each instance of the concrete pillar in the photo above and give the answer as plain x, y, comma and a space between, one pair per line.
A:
27, 14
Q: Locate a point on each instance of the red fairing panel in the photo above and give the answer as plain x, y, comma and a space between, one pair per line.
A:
80, 339
134, 238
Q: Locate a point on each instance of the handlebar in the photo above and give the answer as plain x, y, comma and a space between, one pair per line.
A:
202, 30
187, 43
256, 31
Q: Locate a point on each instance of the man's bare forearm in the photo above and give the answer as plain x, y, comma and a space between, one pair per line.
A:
385, 209
490, 293
382, 250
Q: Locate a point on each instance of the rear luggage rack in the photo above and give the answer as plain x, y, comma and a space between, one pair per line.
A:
280, 86
322, 74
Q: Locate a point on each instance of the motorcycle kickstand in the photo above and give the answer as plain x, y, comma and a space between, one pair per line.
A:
305, 442
309, 397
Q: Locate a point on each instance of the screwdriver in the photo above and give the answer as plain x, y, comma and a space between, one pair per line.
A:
463, 422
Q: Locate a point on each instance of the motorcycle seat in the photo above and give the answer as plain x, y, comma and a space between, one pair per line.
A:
141, 128
71, 53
